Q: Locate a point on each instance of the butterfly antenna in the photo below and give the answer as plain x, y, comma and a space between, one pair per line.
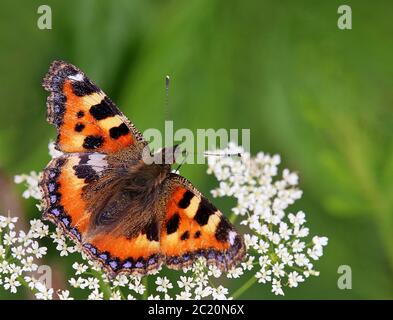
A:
167, 83
183, 161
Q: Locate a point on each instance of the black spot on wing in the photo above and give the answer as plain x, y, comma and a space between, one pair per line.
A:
151, 231
204, 211
222, 230
83, 88
197, 234
173, 224
103, 110
117, 132
93, 142
80, 114
83, 158
84, 171
185, 201
79, 127
185, 236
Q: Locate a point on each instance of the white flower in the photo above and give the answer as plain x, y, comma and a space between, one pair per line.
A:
249, 264
284, 231
120, 281
263, 247
58, 236
36, 250
297, 219
136, 285
220, 293
64, 295
320, 241
43, 292
80, 268
4, 267
115, 295
263, 275
184, 295
214, 271
77, 283
38, 229
163, 284
18, 252
11, 283
10, 238
2, 252
96, 295
28, 264
31, 282
301, 259
235, 272
264, 261
291, 178
15, 269
186, 283
294, 278
278, 270
8, 222
64, 248
276, 287
251, 241
202, 292
32, 183
315, 252
297, 245
91, 283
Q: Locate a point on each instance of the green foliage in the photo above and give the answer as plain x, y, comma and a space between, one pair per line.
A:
319, 96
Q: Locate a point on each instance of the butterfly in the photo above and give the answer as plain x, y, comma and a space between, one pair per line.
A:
128, 215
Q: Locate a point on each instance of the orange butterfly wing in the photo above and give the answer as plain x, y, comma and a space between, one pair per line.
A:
63, 183
194, 228
86, 119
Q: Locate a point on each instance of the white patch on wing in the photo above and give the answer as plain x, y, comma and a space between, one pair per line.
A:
77, 77
97, 161
231, 237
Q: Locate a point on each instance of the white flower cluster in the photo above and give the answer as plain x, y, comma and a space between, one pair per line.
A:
31, 182
277, 241
196, 283
19, 252
277, 250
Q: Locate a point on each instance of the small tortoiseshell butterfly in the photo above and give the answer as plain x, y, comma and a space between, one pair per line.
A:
128, 215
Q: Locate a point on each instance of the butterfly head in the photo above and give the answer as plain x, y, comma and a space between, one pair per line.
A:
144, 176
166, 156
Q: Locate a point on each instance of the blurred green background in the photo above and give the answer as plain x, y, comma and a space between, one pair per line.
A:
319, 96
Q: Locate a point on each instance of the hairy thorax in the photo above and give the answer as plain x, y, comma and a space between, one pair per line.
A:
126, 197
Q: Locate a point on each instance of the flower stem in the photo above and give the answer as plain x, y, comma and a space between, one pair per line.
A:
146, 284
26, 285
250, 282
233, 218
105, 287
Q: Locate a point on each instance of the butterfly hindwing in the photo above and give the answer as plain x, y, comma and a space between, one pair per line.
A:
64, 185
194, 228
86, 119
